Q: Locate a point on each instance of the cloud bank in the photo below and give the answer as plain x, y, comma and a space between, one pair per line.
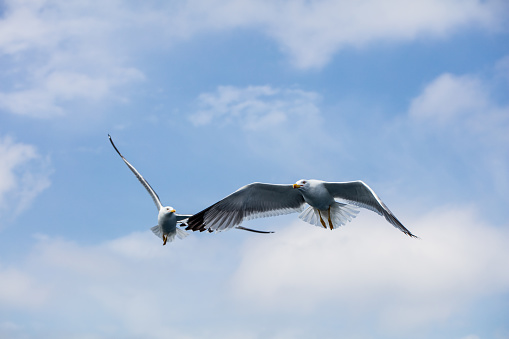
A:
368, 266
132, 286
60, 52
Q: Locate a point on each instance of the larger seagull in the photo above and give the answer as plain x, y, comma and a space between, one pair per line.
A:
258, 200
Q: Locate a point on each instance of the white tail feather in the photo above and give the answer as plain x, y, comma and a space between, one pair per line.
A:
157, 230
340, 215
181, 234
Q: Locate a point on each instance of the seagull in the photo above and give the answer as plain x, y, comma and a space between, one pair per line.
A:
167, 218
259, 200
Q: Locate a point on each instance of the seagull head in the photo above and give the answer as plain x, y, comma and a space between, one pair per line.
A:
168, 210
301, 184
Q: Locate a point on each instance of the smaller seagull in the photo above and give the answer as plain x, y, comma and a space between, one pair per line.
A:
259, 200
167, 219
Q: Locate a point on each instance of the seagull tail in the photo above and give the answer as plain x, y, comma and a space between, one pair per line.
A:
340, 214
310, 215
158, 230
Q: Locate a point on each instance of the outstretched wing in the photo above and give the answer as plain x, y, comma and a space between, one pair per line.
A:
256, 200
360, 194
144, 182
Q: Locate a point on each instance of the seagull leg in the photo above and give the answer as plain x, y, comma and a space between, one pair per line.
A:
165, 239
321, 220
330, 221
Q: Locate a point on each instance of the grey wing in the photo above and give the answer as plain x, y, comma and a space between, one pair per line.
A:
360, 194
256, 200
142, 180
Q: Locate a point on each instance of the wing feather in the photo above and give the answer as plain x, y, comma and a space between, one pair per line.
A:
142, 180
360, 194
256, 200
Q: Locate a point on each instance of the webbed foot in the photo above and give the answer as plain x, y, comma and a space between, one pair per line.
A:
321, 220
330, 221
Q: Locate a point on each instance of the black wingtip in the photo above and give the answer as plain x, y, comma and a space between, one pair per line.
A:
115, 147
407, 232
252, 230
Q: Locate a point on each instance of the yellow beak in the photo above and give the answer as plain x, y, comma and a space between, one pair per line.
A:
173, 211
296, 186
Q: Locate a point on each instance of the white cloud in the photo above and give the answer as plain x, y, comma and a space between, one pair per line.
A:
368, 266
462, 103
449, 98
23, 175
48, 92
312, 31
34, 102
132, 286
462, 112
59, 51
15, 37
129, 287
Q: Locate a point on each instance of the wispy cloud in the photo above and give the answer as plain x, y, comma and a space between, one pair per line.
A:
23, 175
256, 108
285, 124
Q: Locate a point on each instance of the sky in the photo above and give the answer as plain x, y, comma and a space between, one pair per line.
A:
206, 96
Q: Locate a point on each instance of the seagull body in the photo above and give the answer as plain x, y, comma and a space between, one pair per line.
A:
315, 195
167, 218
166, 227
258, 200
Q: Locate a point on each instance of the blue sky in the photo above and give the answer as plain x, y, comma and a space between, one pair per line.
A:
203, 97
